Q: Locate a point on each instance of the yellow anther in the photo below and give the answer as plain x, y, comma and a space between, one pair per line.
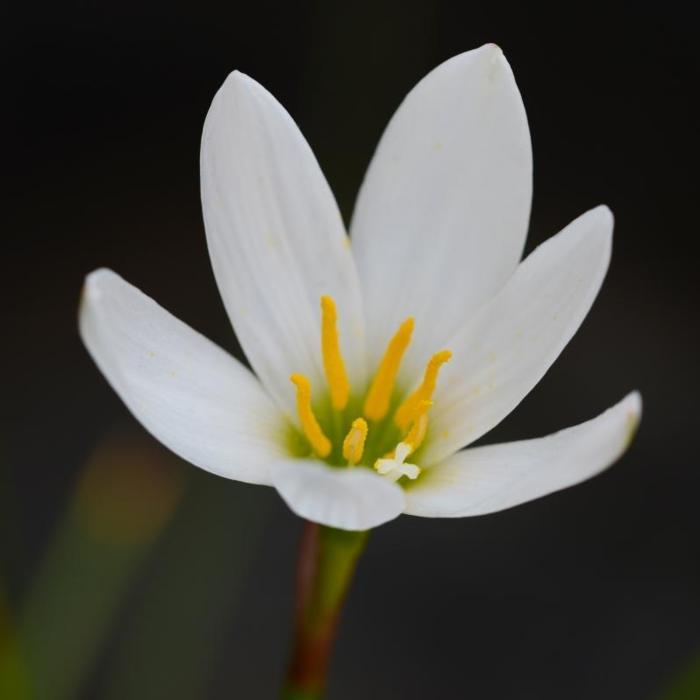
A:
420, 426
320, 444
333, 363
379, 395
407, 411
354, 443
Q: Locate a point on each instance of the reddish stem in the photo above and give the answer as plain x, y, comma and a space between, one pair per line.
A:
327, 560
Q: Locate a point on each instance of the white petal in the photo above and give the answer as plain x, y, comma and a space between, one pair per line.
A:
509, 344
349, 499
191, 395
442, 216
276, 239
487, 479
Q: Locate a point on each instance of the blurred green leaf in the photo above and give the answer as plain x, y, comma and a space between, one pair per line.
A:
13, 679
171, 640
122, 501
686, 685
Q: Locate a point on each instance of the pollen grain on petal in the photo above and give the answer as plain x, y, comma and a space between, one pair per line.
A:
313, 432
333, 364
408, 410
379, 395
354, 443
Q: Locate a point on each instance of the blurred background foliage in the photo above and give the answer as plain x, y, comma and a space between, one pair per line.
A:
127, 574
686, 685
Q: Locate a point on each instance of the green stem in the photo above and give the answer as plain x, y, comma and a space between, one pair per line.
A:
327, 560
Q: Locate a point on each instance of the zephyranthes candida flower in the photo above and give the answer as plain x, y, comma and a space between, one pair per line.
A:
376, 362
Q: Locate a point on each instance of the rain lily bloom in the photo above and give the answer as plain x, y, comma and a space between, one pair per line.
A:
376, 362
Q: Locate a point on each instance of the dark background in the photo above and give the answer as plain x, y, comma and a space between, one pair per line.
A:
590, 593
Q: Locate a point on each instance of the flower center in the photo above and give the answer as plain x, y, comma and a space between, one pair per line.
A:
391, 426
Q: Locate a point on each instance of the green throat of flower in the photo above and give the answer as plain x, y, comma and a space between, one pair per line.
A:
379, 429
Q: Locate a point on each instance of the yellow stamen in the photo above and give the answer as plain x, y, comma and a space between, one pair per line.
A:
379, 395
354, 443
420, 426
407, 411
312, 430
332, 358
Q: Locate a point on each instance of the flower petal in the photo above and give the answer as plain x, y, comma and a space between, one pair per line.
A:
349, 499
276, 239
487, 479
191, 395
442, 215
506, 348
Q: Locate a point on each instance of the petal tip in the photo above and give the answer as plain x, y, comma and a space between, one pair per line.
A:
99, 273
237, 77
630, 411
494, 62
597, 223
236, 82
486, 61
92, 286
605, 215
493, 50
633, 403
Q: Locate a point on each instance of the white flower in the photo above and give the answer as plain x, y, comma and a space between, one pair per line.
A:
433, 278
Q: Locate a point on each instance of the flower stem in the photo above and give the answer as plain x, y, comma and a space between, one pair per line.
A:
327, 560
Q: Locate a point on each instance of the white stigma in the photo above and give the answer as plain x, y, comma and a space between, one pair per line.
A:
394, 467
